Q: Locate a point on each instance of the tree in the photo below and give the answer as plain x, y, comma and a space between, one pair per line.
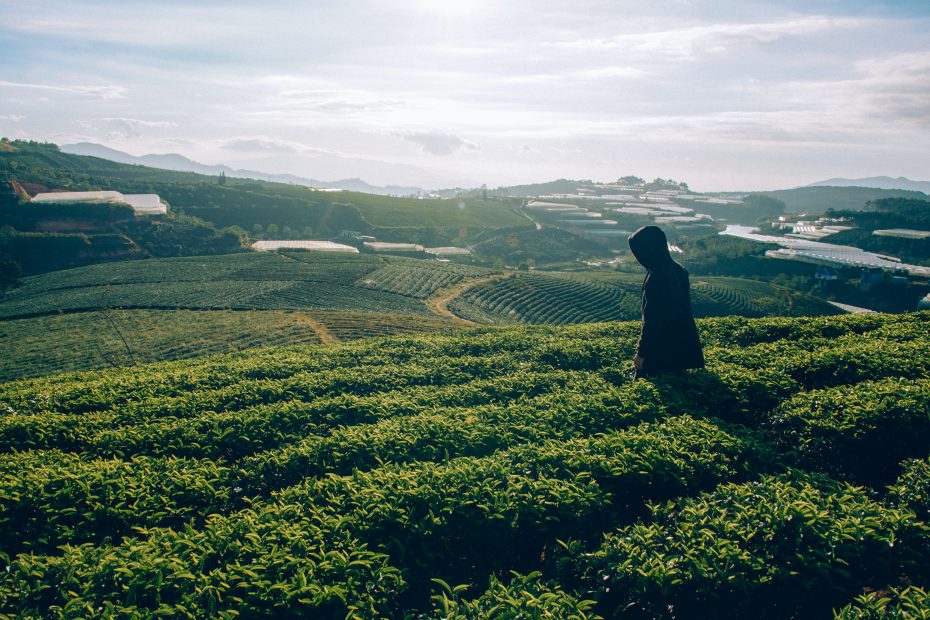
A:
222, 179
9, 271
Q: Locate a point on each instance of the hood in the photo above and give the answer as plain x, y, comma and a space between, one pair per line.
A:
650, 247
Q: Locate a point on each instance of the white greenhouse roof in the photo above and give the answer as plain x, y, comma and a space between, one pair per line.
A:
448, 251
825, 253
382, 246
905, 233
142, 204
303, 244
104, 196
145, 204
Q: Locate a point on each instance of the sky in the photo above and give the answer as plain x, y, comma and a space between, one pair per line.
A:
723, 94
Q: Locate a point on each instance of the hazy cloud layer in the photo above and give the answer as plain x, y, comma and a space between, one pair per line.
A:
438, 143
722, 94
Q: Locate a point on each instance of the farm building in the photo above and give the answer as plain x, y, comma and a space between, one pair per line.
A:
142, 204
303, 244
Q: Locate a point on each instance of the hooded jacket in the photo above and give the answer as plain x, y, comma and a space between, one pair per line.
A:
669, 338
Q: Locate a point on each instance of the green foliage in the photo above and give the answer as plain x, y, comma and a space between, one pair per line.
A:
9, 272
770, 548
912, 489
861, 431
898, 212
360, 480
526, 597
912, 603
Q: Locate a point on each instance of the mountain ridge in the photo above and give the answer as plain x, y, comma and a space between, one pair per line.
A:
178, 162
878, 182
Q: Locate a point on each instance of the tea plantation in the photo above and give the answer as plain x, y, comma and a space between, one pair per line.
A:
510, 472
136, 311
585, 297
57, 343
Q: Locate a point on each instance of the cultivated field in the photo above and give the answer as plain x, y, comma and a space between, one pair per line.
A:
247, 281
129, 312
585, 298
55, 343
407, 477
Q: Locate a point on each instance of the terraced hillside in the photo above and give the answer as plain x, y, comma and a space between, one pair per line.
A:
408, 477
591, 297
247, 281
142, 311
57, 343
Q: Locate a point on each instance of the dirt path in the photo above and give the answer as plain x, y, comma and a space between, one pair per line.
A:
439, 302
325, 336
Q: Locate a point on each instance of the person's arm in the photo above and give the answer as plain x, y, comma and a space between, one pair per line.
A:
655, 309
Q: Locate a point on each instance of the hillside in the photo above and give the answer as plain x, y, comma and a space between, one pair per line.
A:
243, 202
222, 207
818, 200
128, 312
407, 477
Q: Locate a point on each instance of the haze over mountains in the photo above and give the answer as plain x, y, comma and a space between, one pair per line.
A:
882, 182
174, 161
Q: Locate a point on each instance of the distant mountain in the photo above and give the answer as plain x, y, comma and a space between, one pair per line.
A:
877, 182
174, 161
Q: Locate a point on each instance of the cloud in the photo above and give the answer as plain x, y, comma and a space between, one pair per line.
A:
603, 73
334, 101
438, 143
135, 122
13, 118
99, 92
689, 43
896, 87
125, 128
261, 144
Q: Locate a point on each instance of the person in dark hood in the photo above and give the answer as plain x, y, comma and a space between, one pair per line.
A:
669, 338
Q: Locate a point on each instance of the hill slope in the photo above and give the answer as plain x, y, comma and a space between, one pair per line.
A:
252, 205
815, 200
369, 479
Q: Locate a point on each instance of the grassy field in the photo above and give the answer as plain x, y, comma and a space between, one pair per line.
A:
505, 472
